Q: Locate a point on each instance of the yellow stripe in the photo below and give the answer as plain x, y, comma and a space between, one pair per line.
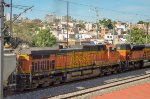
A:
146, 48
24, 56
24, 72
124, 50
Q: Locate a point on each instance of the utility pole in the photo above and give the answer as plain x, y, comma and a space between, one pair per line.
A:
130, 32
147, 27
97, 15
11, 18
67, 21
113, 32
1, 46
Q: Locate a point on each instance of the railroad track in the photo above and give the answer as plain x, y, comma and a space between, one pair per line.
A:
71, 82
101, 87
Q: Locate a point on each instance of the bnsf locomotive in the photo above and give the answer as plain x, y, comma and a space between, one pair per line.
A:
44, 67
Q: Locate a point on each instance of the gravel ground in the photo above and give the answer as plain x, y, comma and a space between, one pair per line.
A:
62, 89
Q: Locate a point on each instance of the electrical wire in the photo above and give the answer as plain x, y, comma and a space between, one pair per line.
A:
122, 12
22, 7
92, 6
39, 12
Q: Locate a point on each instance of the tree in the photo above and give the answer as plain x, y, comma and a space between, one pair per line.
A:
143, 22
44, 39
140, 22
106, 23
36, 21
136, 35
22, 31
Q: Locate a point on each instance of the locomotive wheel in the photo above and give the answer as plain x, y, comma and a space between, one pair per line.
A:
115, 70
58, 80
20, 89
45, 82
34, 84
141, 64
109, 71
136, 65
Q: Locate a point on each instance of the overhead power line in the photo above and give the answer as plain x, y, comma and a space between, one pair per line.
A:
106, 9
22, 13
70, 13
22, 7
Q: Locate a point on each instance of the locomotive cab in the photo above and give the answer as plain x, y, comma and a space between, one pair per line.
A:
112, 54
124, 51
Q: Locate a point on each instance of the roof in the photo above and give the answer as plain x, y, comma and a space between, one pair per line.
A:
48, 50
36, 50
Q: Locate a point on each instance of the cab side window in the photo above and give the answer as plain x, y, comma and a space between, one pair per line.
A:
112, 49
33, 66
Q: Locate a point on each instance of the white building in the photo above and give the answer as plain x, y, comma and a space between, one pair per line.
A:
83, 31
88, 26
108, 37
121, 27
65, 23
64, 18
50, 18
7, 16
83, 36
63, 37
123, 38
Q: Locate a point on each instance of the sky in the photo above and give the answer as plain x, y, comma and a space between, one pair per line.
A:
118, 10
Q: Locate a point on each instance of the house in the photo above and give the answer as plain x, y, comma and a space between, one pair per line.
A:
88, 26
121, 27
103, 32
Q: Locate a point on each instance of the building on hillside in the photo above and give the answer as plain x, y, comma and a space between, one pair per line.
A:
142, 26
7, 16
50, 18
123, 38
83, 31
64, 24
83, 36
26, 20
121, 27
64, 18
103, 32
88, 26
59, 17
63, 37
